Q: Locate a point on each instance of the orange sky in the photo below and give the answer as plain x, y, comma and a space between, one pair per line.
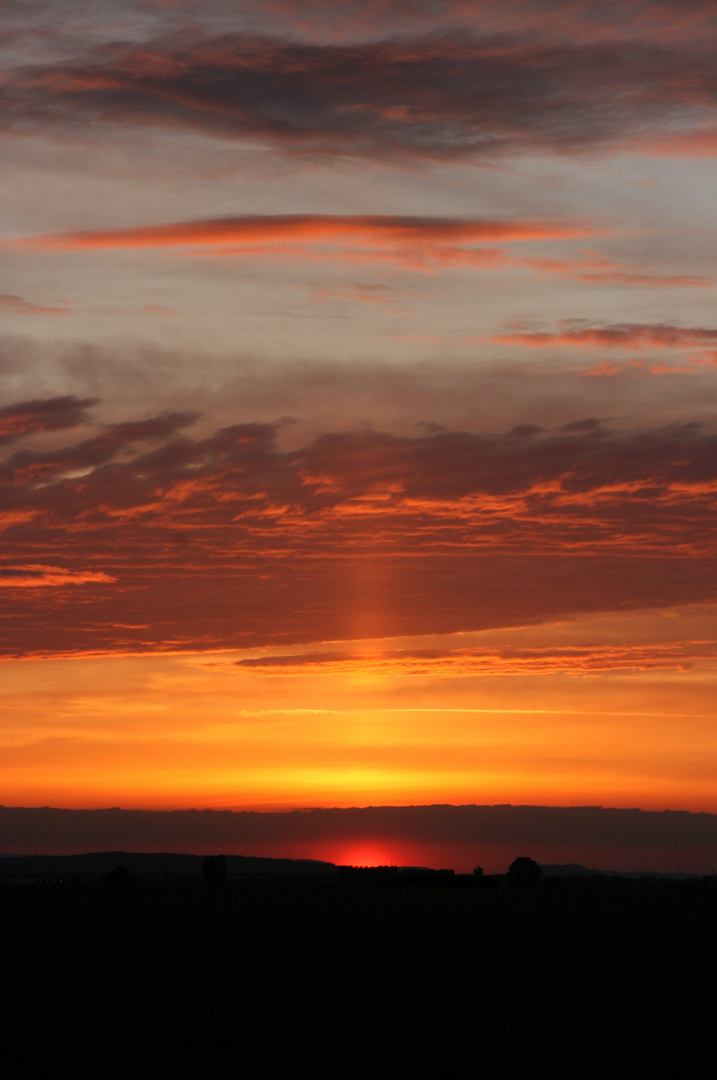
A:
373, 458
564, 714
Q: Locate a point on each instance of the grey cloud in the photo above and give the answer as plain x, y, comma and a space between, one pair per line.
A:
50, 414
366, 20
19, 306
468, 392
435, 97
144, 830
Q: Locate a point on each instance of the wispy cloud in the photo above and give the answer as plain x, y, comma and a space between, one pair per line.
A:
617, 336
17, 306
598, 270
571, 659
367, 20
253, 232
410, 242
437, 96
33, 576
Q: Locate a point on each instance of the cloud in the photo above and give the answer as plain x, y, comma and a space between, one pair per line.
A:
356, 21
17, 306
596, 270
412, 242
618, 336
39, 467
231, 540
259, 232
571, 660
575, 20
681, 837
49, 414
440, 97
36, 576
451, 388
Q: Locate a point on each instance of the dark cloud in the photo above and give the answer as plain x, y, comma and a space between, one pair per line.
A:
232, 540
612, 838
571, 19
441, 97
582, 456
244, 460
50, 414
33, 467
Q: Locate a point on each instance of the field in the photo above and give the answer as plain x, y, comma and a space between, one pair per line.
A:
270, 980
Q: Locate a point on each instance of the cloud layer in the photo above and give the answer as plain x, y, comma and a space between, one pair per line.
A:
477, 824
441, 97
231, 540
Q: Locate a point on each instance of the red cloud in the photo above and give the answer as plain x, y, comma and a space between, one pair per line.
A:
257, 232
35, 576
621, 336
418, 243
231, 540
49, 414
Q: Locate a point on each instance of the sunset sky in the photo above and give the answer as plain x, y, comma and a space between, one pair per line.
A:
357, 403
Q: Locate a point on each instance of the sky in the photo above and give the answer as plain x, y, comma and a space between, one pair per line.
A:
357, 403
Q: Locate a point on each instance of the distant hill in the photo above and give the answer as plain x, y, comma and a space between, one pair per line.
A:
154, 866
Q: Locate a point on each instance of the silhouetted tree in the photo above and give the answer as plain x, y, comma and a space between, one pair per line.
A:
214, 869
118, 876
524, 870
478, 871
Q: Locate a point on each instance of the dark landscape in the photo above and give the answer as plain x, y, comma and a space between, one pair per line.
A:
137, 964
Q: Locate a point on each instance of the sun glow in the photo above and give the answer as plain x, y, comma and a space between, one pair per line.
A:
203, 730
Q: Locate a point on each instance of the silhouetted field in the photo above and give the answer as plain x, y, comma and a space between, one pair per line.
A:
360, 980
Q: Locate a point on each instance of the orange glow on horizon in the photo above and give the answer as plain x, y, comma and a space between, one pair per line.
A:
363, 853
196, 730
